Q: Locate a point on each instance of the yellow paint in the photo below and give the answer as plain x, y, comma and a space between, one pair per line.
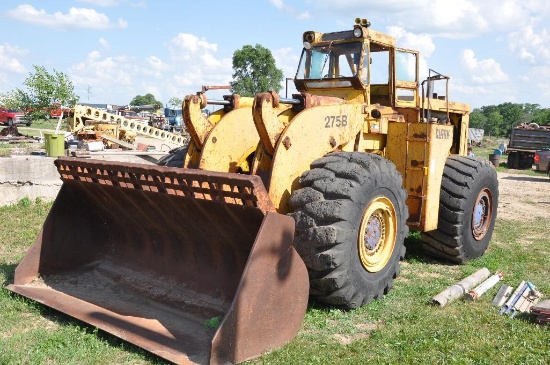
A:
377, 233
309, 137
419, 151
196, 123
230, 142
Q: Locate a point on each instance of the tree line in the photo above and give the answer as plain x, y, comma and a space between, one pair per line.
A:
498, 120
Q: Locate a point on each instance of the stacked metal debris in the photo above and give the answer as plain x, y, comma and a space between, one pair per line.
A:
542, 312
521, 300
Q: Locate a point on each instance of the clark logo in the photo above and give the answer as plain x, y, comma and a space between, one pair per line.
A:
442, 134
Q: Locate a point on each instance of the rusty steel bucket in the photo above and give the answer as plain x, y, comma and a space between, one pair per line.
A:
157, 256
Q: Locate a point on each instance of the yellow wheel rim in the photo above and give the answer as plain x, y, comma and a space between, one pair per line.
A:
376, 239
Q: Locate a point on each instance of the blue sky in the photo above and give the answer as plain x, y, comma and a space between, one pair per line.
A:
495, 51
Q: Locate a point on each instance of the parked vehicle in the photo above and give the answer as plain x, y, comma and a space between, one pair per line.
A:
174, 118
525, 140
541, 161
13, 116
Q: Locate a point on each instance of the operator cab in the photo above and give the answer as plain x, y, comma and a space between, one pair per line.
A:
360, 59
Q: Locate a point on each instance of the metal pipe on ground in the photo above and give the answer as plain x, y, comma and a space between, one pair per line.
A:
481, 289
459, 289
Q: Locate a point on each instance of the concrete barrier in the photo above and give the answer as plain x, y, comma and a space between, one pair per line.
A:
36, 176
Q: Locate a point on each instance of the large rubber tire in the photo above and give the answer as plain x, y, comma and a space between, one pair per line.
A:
467, 210
513, 160
350, 226
174, 158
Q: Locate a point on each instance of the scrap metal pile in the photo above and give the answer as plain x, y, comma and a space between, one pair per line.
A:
511, 302
542, 312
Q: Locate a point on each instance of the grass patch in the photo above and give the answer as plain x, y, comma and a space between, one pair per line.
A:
400, 328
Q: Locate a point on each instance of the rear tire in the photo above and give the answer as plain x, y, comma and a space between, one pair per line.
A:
350, 226
467, 210
513, 160
174, 158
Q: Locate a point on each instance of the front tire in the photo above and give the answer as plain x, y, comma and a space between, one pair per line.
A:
467, 210
350, 227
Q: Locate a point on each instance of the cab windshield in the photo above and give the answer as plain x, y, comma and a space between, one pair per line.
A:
330, 61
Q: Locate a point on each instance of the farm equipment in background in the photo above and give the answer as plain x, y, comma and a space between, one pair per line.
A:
90, 123
338, 174
475, 136
525, 140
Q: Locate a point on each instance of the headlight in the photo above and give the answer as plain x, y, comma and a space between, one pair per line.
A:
357, 32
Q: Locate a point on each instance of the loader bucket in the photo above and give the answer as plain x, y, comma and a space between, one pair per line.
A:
157, 255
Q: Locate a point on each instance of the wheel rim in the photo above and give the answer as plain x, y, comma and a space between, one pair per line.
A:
377, 234
482, 214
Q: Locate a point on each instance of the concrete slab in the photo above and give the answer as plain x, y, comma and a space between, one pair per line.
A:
36, 176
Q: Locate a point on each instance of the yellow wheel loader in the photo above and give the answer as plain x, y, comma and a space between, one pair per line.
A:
339, 174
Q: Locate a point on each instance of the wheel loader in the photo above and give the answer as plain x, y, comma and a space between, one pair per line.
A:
337, 176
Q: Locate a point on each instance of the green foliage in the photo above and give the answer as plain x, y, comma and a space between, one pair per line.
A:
175, 102
42, 90
255, 71
541, 117
25, 202
213, 322
498, 120
145, 100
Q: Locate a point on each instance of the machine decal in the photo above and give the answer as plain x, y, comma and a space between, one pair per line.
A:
332, 121
442, 133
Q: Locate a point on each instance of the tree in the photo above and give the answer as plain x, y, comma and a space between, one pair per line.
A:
255, 71
146, 99
495, 124
477, 119
541, 117
512, 115
43, 91
175, 102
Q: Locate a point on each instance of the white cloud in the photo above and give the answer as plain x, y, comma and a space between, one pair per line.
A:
287, 60
487, 71
420, 42
186, 43
541, 75
9, 58
104, 43
103, 3
452, 19
76, 18
157, 64
281, 5
107, 76
114, 77
531, 46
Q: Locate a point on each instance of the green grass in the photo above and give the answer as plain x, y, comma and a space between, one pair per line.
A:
401, 328
37, 126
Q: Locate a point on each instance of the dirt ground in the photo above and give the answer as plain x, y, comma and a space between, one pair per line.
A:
523, 197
